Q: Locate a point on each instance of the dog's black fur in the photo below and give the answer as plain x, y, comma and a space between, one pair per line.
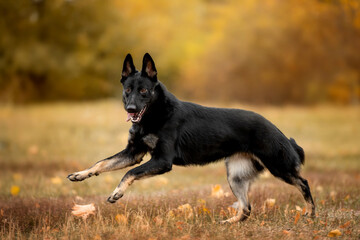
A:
184, 133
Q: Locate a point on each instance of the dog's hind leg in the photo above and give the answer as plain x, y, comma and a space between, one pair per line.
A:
241, 170
123, 159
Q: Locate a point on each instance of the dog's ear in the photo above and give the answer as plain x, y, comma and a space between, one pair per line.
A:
128, 67
148, 67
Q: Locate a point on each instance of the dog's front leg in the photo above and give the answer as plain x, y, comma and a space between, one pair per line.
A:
151, 168
123, 159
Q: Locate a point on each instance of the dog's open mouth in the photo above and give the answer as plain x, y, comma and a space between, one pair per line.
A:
136, 117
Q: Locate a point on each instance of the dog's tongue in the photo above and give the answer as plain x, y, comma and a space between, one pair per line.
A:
129, 115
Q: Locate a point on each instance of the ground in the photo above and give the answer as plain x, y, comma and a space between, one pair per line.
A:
41, 144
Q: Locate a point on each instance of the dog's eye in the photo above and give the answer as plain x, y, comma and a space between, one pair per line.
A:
143, 90
128, 90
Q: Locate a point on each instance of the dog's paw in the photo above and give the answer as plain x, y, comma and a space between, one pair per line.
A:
114, 197
223, 222
80, 176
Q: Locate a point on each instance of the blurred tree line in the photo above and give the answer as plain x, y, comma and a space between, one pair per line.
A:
267, 51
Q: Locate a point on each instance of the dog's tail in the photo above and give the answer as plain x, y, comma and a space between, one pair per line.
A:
299, 150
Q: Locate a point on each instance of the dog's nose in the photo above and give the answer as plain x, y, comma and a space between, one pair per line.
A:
131, 108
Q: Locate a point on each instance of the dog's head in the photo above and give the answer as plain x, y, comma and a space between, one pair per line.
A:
138, 87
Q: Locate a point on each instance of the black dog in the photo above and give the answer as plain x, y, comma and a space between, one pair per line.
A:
183, 133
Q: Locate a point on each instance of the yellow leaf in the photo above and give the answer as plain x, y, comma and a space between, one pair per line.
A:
171, 214
217, 191
186, 210
205, 210
56, 180
83, 210
334, 233
269, 203
121, 219
14, 190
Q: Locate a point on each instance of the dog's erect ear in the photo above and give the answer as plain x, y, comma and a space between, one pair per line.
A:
148, 67
128, 67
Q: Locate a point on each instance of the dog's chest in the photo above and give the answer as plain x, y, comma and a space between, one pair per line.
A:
137, 134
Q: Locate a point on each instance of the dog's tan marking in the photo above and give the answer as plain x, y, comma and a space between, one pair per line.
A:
120, 190
151, 140
124, 185
106, 165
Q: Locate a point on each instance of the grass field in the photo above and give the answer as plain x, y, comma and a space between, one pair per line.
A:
41, 144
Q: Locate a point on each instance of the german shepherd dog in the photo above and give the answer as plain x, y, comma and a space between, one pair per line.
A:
183, 133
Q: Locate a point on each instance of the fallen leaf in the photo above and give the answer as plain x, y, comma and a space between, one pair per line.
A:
186, 210
158, 220
56, 180
83, 210
205, 210
33, 150
217, 191
171, 214
121, 219
286, 232
334, 233
269, 203
347, 197
345, 225
297, 217
14, 190
179, 225
319, 188
299, 209
325, 223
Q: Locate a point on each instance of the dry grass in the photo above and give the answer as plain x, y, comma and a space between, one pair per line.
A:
41, 144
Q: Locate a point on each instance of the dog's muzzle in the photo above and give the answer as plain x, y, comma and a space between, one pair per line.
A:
135, 117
